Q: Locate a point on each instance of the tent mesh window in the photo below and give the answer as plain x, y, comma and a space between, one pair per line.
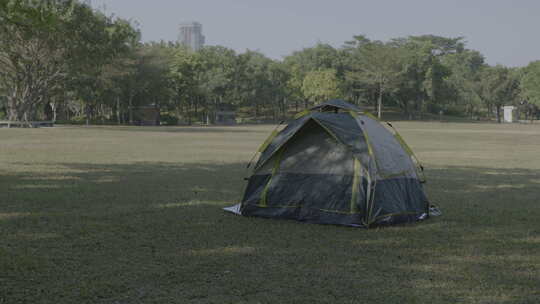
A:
312, 170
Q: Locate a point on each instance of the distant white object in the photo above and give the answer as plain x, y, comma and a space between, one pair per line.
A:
508, 113
234, 209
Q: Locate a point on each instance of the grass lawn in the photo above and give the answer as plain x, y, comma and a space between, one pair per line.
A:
133, 215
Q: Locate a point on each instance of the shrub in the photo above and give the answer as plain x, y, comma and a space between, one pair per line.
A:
168, 119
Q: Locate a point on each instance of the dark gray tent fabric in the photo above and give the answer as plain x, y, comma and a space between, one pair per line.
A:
398, 196
324, 168
281, 138
345, 128
390, 157
337, 103
340, 125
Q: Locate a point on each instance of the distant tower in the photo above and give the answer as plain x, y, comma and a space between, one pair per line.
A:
191, 35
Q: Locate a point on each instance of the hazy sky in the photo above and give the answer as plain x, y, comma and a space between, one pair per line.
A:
505, 31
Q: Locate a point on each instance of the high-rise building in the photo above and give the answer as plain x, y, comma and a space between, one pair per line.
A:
191, 35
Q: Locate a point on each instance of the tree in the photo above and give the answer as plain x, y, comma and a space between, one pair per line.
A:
105, 44
530, 83
425, 73
278, 79
216, 77
321, 85
31, 51
45, 45
184, 75
466, 71
255, 87
61, 54
353, 87
300, 63
499, 86
379, 65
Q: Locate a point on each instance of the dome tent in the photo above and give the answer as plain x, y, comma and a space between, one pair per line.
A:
334, 164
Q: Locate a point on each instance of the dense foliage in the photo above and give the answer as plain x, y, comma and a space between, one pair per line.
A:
62, 60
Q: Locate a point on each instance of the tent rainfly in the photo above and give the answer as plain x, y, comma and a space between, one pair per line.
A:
334, 164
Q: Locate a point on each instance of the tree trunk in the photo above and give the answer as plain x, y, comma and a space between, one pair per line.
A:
256, 109
283, 108
213, 114
102, 110
197, 107
12, 110
25, 119
421, 109
118, 120
406, 111
188, 114
87, 107
157, 106
54, 109
130, 104
498, 109
275, 109
177, 110
373, 99
379, 103
67, 111
185, 111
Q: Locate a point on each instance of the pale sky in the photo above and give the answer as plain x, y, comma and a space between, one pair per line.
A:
505, 31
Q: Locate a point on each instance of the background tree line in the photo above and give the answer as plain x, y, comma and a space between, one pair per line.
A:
62, 60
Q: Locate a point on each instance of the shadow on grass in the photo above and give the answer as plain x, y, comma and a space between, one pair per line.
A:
180, 129
155, 232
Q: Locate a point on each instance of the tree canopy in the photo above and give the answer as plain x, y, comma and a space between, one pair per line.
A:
63, 57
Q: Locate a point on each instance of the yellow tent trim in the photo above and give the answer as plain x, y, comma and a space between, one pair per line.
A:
301, 114
355, 185
264, 194
372, 116
268, 141
410, 152
403, 143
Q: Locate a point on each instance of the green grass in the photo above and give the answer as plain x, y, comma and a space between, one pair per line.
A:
133, 215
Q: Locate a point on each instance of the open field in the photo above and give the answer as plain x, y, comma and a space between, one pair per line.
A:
133, 215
